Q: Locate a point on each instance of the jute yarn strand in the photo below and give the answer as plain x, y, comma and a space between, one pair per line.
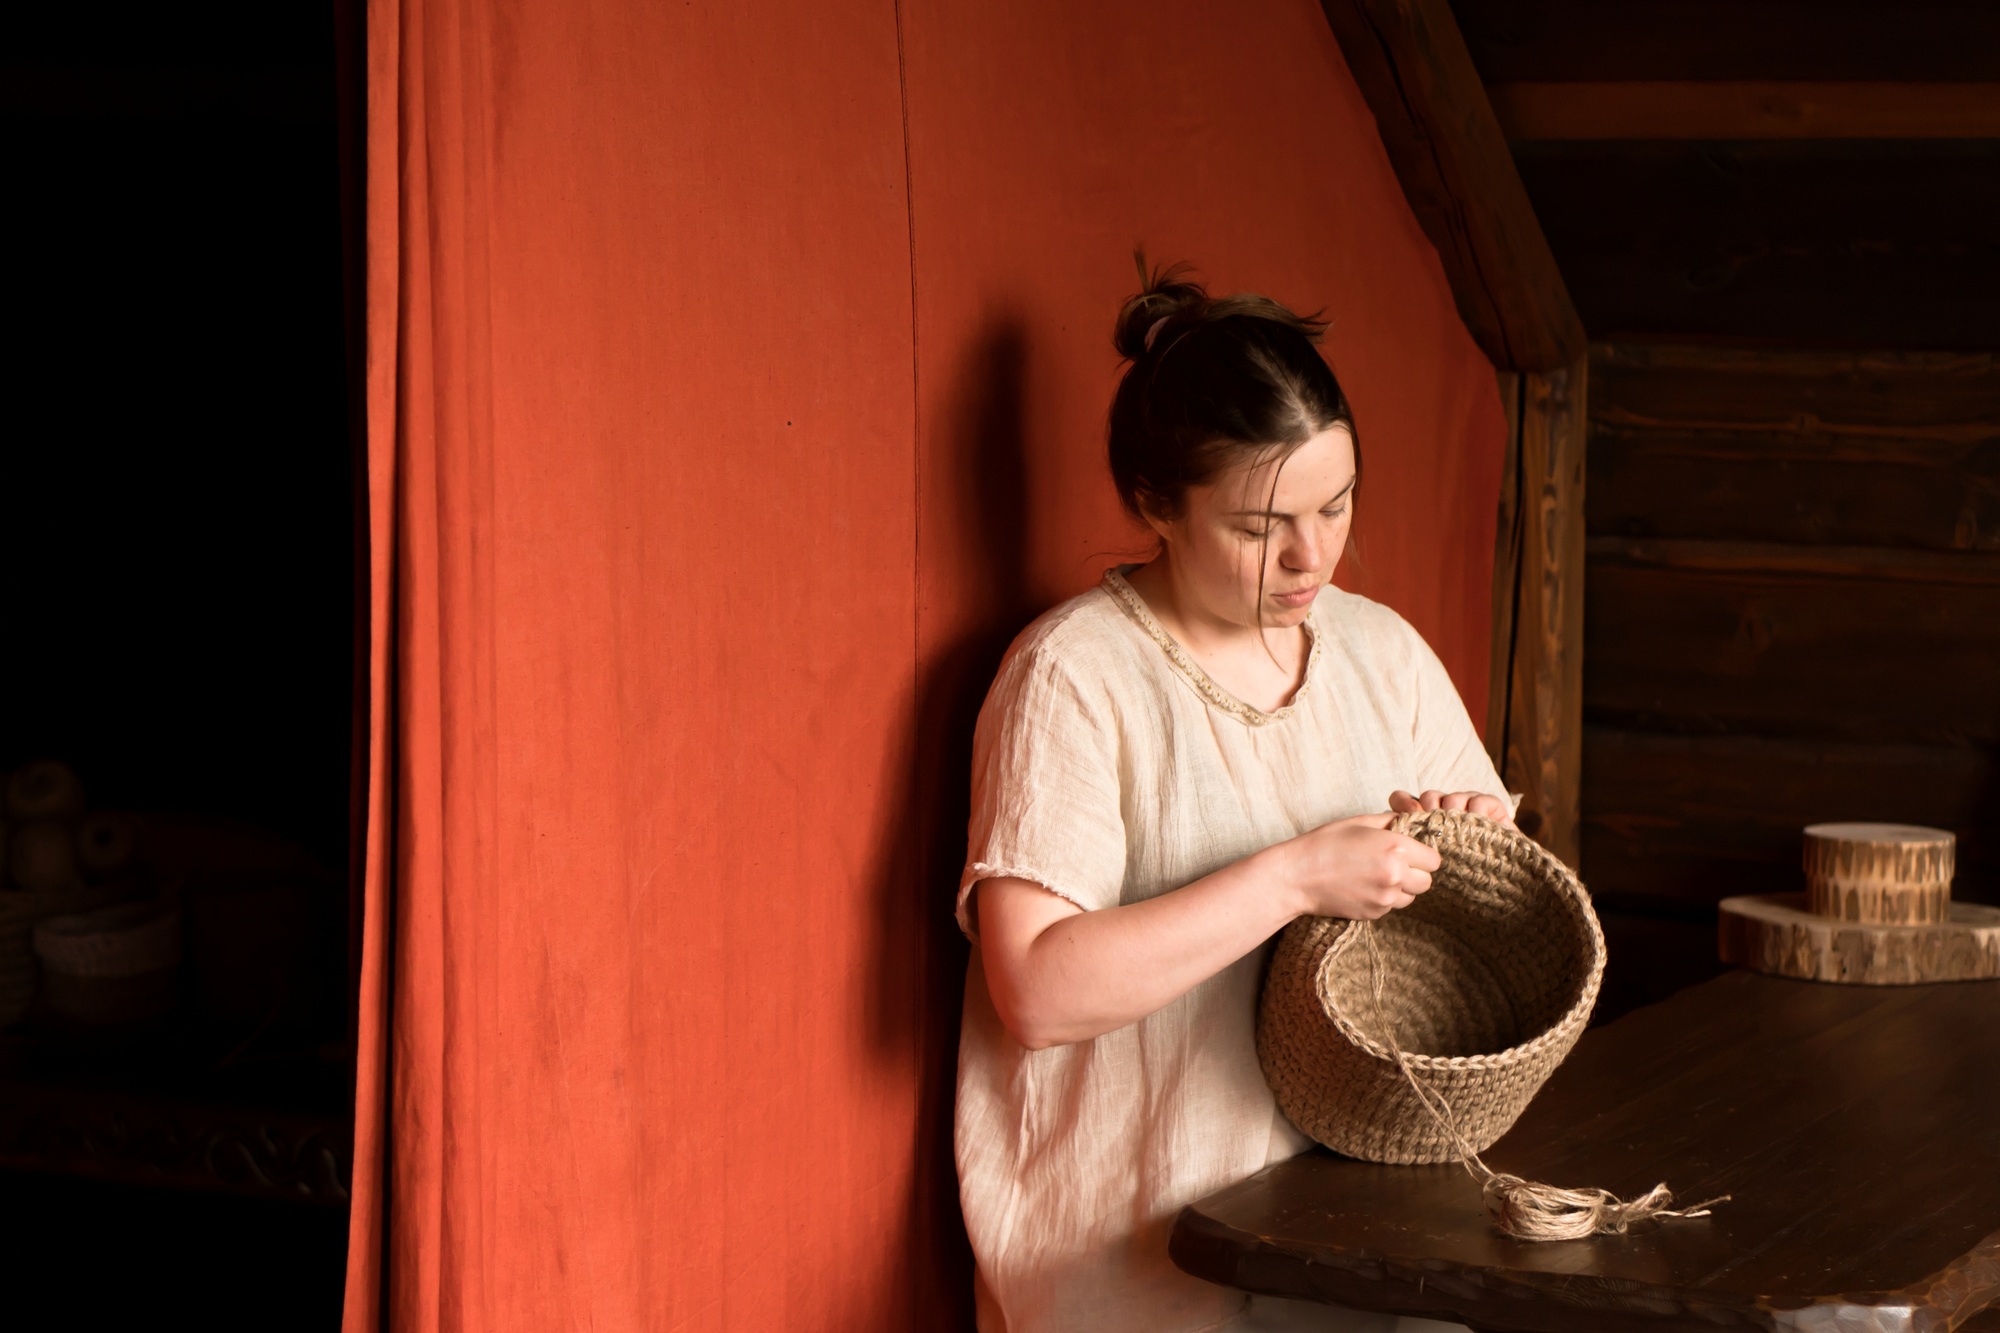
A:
1422, 1037
1527, 1209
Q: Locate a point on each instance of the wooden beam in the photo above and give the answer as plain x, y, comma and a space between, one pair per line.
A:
1457, 172
1449, 153
1804, 243
1541, 743
1747, 110
1459, 175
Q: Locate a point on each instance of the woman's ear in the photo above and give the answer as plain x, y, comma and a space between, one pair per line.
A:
1163, 525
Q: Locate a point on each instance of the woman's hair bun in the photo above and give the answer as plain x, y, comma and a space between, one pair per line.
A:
1214, 381
1164, 294
1170, 302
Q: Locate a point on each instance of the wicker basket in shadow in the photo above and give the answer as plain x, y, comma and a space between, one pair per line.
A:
1487, 980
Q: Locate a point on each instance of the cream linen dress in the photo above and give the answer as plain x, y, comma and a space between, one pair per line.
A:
1109, 768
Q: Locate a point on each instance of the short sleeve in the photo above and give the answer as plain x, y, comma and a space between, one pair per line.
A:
1046, 801
1450, 755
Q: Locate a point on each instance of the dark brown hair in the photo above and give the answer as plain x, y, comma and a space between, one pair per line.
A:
1214, 382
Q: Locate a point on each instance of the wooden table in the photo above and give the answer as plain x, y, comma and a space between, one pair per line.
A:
155, 1116
1857, 1129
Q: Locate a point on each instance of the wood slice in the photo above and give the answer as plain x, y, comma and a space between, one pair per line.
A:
1775, 933
1888, 874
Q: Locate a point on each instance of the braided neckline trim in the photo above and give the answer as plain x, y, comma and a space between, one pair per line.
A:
1135, 606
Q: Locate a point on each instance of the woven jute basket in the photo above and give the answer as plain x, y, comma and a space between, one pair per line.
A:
113, 966
1486, 982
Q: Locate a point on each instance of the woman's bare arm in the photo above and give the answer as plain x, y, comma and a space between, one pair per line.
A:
1059, 974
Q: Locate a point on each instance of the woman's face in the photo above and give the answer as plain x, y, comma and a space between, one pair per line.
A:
1284, 519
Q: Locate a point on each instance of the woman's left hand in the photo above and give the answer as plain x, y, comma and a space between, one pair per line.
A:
1475, 802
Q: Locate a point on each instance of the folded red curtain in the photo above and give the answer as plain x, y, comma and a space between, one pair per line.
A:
735, 386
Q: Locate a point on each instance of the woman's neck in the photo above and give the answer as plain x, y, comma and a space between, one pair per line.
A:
1262, 666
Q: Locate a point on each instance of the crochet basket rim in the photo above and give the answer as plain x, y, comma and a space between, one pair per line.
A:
1556, 876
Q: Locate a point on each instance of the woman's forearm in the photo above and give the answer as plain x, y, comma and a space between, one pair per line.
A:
1060, 975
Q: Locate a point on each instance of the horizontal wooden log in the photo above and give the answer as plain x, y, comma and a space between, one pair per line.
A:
1452, 160
1901, 493
1746, 109
1720, 645
1816, 399
1675, 823
1934, 40
1812, 242
1798, 447
1980, 569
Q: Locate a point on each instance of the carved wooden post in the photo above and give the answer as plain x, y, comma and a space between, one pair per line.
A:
1539, 746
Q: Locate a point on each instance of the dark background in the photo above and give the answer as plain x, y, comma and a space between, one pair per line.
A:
176, 513
177, 546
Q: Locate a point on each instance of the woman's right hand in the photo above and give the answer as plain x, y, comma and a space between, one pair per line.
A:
1354, 868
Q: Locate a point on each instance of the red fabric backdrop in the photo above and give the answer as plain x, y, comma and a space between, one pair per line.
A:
736, 384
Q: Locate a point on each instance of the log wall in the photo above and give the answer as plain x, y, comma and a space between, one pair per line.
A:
1792, 615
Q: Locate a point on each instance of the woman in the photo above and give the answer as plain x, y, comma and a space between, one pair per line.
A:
1167, 770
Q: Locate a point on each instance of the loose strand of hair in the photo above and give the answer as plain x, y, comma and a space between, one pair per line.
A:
1264, 555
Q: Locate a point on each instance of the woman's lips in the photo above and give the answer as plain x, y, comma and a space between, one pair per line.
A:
1299, 597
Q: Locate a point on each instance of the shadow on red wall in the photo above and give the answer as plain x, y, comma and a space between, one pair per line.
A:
926, 850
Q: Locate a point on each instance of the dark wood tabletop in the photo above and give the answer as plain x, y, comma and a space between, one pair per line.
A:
1856, 1129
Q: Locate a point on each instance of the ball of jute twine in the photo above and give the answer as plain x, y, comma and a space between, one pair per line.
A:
1527, 1209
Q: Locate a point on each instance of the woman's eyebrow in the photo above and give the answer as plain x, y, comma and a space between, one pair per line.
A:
1272, 513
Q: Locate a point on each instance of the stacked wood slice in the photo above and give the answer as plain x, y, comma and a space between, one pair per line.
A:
1877, 911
